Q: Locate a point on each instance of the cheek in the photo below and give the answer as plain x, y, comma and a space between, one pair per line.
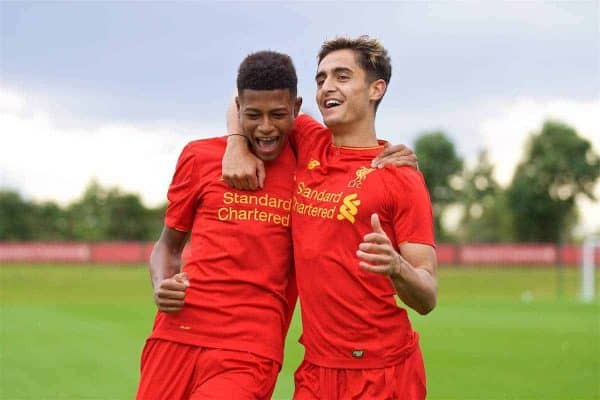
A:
284, 127
248, 126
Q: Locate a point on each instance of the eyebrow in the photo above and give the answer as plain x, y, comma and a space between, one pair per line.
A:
337, 70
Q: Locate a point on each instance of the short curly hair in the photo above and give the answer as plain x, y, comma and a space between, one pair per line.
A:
267, 70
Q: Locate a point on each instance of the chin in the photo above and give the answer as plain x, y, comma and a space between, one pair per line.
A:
329, 122
268, 157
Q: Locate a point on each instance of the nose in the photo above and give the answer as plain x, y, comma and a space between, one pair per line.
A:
328, 85
266, 126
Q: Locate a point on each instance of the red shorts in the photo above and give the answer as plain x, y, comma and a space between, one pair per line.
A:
177, 371
405, 381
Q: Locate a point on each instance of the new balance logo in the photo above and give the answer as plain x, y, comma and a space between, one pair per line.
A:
312, 164
350, 207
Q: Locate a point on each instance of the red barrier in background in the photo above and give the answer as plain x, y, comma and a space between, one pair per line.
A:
139, 252
45, 252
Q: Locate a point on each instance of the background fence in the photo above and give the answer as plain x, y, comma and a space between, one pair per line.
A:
139, 252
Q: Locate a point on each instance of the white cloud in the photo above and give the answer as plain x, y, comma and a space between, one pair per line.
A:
46, 160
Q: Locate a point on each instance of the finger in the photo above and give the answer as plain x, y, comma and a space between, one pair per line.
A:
170, 294
384, 270
399, 160
260, 171
227, 181
161, 303
235, 182
376, 224
250, 183
374, 259
182, 278
172, 284
375, 248
377, 238
388, 149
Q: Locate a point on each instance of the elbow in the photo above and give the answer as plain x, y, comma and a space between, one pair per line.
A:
427, 306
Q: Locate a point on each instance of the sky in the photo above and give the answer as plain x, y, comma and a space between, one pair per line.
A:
112, 91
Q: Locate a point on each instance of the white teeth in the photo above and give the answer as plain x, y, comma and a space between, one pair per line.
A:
332, 103
267, 140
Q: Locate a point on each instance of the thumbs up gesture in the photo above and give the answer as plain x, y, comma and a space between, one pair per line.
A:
377, 253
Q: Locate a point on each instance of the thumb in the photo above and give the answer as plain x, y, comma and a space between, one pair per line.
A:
376, 224
260, 173
182, 278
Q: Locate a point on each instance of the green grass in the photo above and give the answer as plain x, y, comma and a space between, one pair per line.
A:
70, 332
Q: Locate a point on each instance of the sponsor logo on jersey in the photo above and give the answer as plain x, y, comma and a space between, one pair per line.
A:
349, 208
361, 174
312, 164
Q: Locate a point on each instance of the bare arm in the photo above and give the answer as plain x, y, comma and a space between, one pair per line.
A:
168, 282
413, 273
240, 168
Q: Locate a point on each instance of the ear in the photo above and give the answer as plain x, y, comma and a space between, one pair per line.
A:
377, 89
297, 105
237, 103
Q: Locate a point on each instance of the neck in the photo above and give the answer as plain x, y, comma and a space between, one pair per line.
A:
355, 135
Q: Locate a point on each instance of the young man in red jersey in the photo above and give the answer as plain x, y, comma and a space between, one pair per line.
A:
361, 236
220, 329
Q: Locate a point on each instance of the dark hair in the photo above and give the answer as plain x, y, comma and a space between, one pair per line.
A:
371, 56
267, 70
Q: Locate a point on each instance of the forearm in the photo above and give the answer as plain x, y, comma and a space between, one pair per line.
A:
233, 119
416, 287
164, 263
165, 259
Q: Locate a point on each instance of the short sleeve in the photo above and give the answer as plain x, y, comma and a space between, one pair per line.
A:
183, 192
412, 214
303, 131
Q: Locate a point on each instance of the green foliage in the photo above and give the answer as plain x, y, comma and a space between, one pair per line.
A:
558, 167
15, 217
439, 164
486, 216
99, 215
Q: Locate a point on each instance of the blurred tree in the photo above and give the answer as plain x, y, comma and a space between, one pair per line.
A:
127, 218
558, 167
441, 167
15, 217
100, 214
88, 217
51, 222
486, 217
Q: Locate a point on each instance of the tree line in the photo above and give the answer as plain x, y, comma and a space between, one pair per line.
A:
101, 214
539, 204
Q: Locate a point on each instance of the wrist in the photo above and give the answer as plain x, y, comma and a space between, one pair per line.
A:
237, 138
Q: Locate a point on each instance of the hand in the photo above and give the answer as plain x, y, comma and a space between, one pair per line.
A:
240, 168
378, 253
170, 294
398, 155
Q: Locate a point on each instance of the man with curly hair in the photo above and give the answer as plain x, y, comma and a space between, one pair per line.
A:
222, 320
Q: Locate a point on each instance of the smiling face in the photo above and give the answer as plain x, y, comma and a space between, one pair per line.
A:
344, 93
267, 117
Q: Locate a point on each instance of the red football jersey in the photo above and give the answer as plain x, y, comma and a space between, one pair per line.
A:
240, 261
350, 317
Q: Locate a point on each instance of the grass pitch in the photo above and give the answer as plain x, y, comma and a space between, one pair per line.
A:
73, 332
